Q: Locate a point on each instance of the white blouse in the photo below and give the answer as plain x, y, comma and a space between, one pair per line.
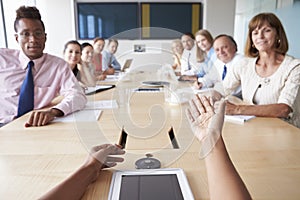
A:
280, 87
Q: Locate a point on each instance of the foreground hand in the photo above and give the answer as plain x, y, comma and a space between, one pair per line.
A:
213, 94
100, 157
205, 116
102, 154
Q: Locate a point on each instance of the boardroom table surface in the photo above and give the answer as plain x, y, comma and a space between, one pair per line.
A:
265, 151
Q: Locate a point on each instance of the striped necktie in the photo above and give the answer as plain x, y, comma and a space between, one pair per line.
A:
26, 100
224, 72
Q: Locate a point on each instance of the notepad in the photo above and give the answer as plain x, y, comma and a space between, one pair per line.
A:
238, 119
80, 116
102, 104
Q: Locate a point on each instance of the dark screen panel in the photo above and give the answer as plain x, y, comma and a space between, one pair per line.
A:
149, 187
123, 20
173, 16
106, 19
163, 15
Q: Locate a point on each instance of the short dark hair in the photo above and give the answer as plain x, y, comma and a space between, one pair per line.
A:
72, 42
29, 13
191, 35
85, 44
230, 39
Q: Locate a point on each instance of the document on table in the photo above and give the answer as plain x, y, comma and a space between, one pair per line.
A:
103, 104
91, 112
111, 78
80, 116
238, 119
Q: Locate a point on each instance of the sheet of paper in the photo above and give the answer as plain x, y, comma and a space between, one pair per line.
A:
238, 119
103, 104
80, 116
201, 91
111, 78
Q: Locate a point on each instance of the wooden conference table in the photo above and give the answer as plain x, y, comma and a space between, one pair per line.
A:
265, 151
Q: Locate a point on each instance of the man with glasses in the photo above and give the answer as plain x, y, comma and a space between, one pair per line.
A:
31, 79
188, 59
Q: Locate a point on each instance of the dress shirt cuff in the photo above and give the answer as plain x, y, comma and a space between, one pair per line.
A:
202, 80
67, 106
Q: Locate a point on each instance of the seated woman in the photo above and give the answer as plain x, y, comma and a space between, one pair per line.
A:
109, 61
177, 50
270, 78
205, 54
98, 45
86, 67
72, 54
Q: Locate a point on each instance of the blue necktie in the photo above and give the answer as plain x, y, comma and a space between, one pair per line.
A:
26, 100
224, 72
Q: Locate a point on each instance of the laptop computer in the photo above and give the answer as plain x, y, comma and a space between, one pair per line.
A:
127, 64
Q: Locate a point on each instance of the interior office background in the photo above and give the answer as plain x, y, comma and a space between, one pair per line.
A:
219, 16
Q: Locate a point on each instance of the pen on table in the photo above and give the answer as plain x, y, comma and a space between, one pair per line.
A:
147, 89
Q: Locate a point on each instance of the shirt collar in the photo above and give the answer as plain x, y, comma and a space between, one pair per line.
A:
24, 60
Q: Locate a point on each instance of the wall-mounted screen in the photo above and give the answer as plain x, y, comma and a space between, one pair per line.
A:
106, 19
131, 20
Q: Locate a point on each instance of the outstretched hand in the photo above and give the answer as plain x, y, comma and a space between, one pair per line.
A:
101, 157
205, 116
102, 154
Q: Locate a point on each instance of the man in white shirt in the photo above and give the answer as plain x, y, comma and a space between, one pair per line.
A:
225, 48
188, 59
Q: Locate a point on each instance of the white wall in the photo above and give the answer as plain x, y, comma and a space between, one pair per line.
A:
287, 11
290, 16
219, 16
57, 16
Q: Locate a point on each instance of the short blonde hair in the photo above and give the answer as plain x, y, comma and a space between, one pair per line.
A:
176, 41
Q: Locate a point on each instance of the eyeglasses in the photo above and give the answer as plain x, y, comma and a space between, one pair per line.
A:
36, 34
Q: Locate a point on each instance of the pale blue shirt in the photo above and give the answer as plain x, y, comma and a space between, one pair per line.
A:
109, 59
208, 63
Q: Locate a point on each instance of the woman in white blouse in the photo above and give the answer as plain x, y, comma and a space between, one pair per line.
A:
270, 78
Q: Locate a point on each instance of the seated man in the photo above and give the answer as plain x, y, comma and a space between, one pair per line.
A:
31, 79
188, 59
109, 61
225, 48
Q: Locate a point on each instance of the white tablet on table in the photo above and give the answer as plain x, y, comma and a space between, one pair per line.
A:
158, 184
